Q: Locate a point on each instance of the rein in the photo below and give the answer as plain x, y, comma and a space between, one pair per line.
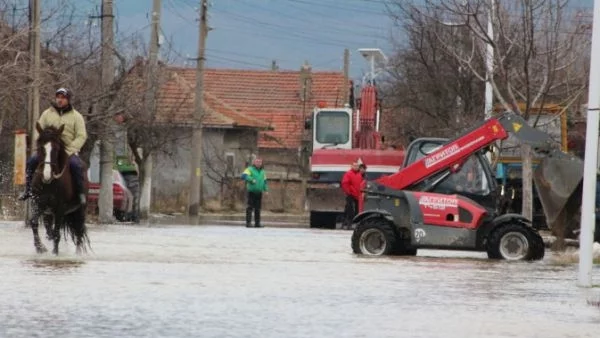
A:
56, 177
55, 165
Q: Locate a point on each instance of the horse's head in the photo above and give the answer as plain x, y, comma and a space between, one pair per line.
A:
50, 147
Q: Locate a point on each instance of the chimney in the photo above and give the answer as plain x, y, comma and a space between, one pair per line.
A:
274, 66
305, 82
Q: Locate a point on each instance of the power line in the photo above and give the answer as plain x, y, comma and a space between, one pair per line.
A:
221, 58
338, 7
322, 25
277, 28
305, 39
173, 10
215, 51
252, 56
214, 55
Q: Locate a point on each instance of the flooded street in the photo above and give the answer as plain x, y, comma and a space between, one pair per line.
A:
222, 281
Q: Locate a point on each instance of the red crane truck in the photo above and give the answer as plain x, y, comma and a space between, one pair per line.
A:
339, 137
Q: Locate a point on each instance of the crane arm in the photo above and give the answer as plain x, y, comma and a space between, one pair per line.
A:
455, 152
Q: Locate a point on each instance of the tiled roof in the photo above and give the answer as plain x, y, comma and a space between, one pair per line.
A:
175, 104
273, 97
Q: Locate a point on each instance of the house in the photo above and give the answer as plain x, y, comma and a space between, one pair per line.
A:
248, 113
229, 138
281, 98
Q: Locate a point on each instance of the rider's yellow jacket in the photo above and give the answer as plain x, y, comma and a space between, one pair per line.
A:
74, 135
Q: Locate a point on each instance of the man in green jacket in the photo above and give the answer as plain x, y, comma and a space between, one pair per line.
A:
74, 136
256, 184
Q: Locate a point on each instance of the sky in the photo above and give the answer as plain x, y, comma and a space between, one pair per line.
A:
252, 33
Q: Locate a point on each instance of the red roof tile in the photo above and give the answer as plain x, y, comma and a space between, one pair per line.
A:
175, 104
273, 97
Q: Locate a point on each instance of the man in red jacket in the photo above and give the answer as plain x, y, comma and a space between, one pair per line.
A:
351, 185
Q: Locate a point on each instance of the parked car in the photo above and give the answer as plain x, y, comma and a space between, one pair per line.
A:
123, 199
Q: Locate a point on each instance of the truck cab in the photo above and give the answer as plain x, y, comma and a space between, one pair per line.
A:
332, 128
473, 179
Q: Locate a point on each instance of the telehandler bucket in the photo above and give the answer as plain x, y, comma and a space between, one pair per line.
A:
559, 180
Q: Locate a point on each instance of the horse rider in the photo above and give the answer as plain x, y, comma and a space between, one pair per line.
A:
74, 136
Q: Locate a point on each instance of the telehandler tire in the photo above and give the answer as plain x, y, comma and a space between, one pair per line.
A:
378, 237
374, 237
515, 241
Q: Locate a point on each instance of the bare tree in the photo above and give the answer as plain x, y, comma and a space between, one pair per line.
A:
425, 84
538, 53
225, 170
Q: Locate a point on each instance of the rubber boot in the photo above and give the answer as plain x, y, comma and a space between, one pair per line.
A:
257, 218
27, 192
78, 185
248, 217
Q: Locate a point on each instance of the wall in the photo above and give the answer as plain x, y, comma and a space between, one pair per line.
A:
279, 162
242, 144
225, 151
6, 161
285, 195
171, 172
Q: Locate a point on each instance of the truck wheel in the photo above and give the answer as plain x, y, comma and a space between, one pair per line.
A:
374, 237
515, 241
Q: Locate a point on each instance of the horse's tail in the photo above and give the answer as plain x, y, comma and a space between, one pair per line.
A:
74, 226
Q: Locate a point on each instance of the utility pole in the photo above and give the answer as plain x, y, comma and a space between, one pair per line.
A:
345, 92
33, 102
105, 200
197, 151
489, 63
150, 102
34, 50
586, 237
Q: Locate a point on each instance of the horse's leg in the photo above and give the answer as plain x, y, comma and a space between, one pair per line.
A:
75, 222
34, 222
48, 220
59, 219
78, 226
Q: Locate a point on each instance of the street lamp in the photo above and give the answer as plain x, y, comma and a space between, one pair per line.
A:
373, 55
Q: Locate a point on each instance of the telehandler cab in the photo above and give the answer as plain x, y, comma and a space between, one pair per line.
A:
431, 201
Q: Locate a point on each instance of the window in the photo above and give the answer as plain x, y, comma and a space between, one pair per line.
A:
229, 161
469, 180
333, 127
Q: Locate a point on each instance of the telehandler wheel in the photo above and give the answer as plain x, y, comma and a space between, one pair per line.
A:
515, 241
374, 237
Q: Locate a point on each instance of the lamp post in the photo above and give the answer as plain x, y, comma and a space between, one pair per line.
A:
374, 56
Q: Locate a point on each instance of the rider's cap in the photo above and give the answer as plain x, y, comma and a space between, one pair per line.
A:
64, 91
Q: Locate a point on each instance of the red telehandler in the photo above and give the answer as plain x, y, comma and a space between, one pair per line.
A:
445, 197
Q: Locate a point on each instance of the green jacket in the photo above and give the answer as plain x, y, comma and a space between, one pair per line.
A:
74, 134
256, 179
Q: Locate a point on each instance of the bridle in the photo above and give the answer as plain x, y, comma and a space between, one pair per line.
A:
54, 166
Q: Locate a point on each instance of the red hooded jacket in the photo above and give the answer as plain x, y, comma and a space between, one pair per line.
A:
351, 183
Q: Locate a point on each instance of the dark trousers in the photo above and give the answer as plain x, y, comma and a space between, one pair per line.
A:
254, 203
350, 210
75, 167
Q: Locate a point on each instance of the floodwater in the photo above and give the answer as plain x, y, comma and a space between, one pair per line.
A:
222, 281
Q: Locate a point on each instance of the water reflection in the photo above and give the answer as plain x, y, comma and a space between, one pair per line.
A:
54, 264
204, 281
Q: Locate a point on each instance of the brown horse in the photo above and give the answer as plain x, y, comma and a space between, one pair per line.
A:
53, 196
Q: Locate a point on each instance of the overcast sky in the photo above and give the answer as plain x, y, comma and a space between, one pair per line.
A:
252, 33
